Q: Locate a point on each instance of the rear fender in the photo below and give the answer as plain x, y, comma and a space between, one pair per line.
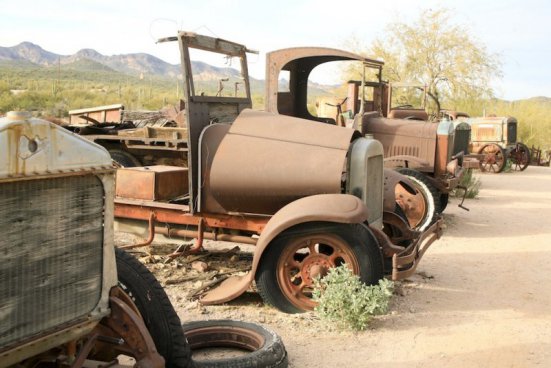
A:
336, 208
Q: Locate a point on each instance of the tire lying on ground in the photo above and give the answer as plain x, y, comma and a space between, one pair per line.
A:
157, 312
265, 346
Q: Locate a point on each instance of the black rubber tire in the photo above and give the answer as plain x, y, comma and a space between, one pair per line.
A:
429, 191
358, 237
404, 243
159, 316
123, 158
444, 199
268, 351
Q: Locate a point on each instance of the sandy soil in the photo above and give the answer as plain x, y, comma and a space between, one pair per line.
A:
481, 297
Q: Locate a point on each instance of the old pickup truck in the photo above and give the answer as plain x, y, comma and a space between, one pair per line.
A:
309, 196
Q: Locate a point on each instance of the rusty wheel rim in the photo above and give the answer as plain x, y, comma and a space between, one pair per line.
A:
520, 157
306, 257
413, 205
494, 159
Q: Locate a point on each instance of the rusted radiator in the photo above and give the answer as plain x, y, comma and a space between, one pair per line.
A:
51, 248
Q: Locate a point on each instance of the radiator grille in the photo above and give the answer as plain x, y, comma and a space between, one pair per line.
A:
511, 132
375, 187
51, 247
462, 138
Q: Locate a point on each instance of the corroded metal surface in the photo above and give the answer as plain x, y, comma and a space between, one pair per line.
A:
405, 263
413, 205
304, 59
158, 182
266, 161
404, 137
179, 214
123, 332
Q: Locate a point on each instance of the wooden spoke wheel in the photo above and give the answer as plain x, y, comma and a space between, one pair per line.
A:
520, 157
494, 158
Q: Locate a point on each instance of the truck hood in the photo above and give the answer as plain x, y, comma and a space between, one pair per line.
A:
266, 161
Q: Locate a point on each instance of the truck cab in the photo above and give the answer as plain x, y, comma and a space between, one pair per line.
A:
410, 142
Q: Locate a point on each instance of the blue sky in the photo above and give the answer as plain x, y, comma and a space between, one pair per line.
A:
519, 31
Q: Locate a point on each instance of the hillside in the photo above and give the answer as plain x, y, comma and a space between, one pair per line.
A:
36, 79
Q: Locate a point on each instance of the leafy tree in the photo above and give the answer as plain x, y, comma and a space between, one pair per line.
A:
435, 52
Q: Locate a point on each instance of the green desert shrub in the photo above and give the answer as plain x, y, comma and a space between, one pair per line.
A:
345, 301
472, 182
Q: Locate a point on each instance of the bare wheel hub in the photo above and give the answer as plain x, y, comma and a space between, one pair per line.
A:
413, 205
314, 266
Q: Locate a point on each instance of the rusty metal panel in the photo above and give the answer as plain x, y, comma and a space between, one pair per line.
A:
403, 137
442, 154
179, 214
277, 127
267, 160
152, 182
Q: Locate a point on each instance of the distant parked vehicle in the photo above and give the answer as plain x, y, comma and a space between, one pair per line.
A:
496, 138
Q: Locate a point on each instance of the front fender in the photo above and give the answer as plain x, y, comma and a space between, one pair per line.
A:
338, 208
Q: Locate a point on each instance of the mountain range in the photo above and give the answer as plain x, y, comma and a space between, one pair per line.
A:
85, 62
134, 64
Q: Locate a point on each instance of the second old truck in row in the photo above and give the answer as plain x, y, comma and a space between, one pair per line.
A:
309, 196
421, 150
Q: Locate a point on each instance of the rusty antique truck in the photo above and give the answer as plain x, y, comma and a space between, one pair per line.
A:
68, 298
421, 150
495, 137
309, 196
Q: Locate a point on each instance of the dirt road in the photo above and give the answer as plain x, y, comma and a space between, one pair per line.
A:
482, 297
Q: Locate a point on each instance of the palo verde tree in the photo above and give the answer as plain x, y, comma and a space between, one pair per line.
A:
433, 51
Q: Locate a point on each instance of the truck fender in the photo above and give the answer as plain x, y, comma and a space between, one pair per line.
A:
338, 208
